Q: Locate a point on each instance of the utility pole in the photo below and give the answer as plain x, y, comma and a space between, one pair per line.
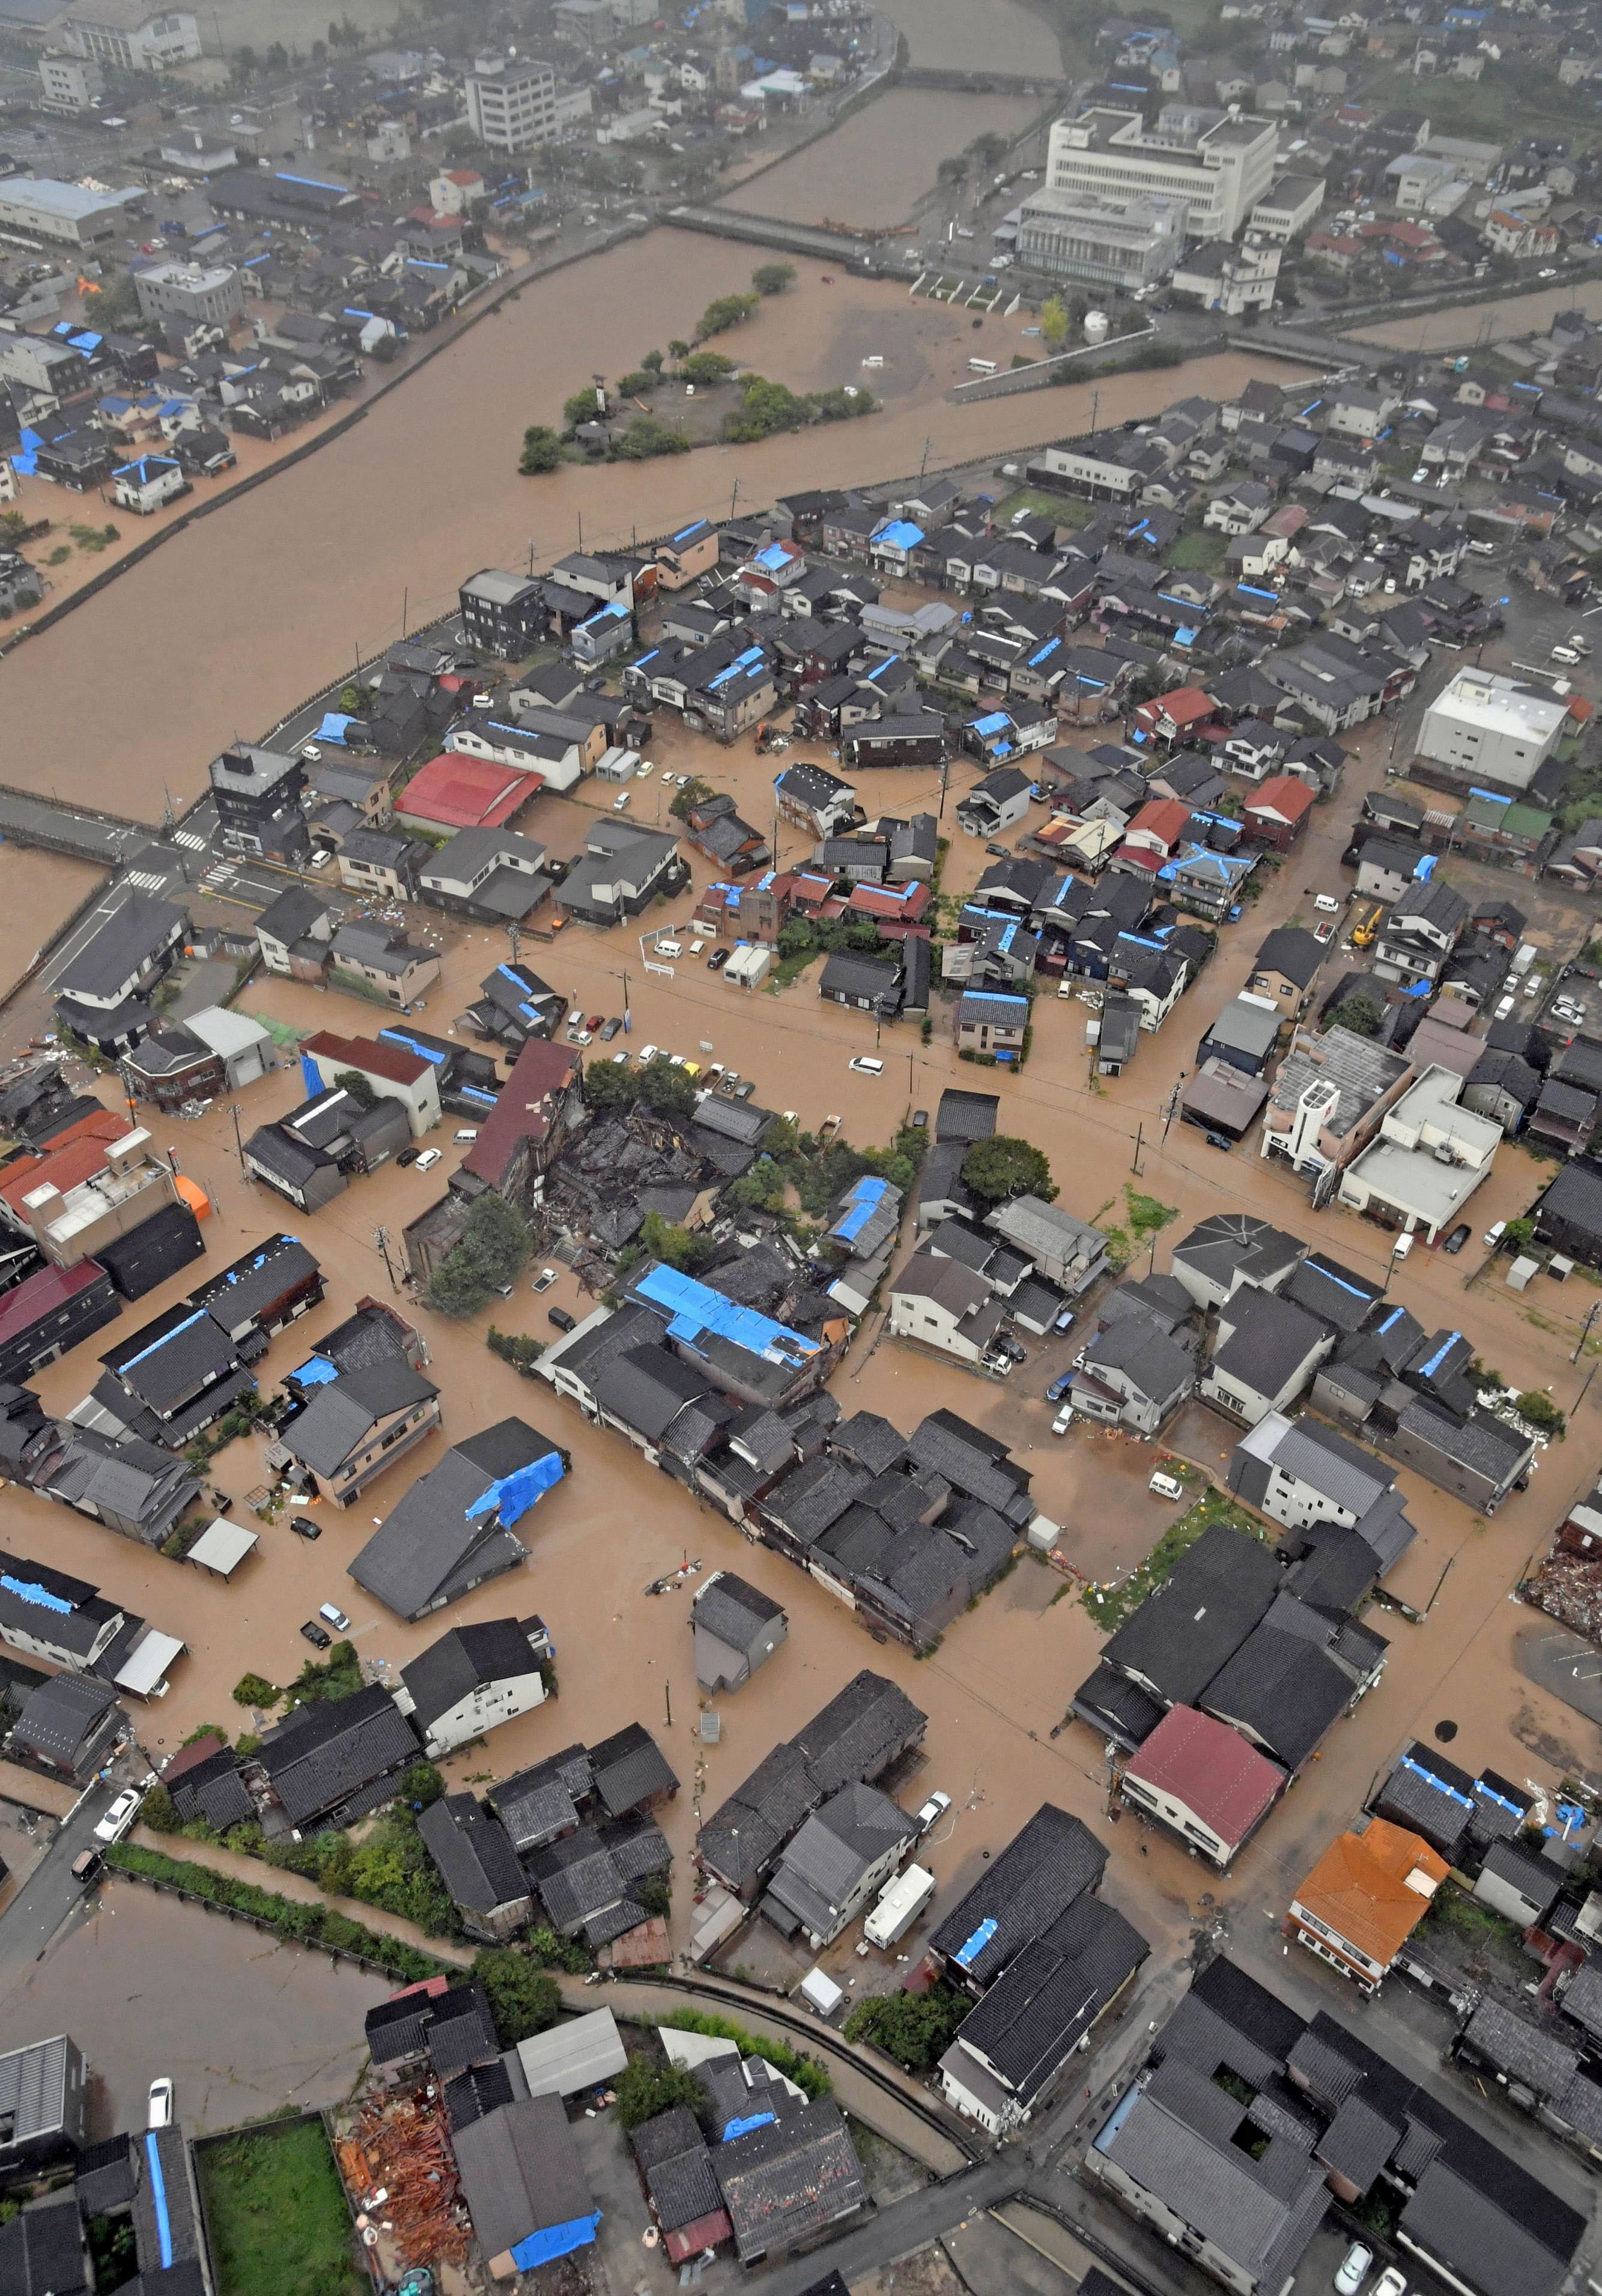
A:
405, 599
514, 936
380, 1238
239, 1146
1170, 1112
1585, 1330
1135, 1159
923, 464
733, 498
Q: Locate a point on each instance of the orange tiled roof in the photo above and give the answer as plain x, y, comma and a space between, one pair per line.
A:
1359, 1890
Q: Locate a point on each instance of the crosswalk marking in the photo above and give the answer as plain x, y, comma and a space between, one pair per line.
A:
196, 844
148, 880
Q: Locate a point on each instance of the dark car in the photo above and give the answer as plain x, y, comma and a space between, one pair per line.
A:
561, 1318
999, 852
318, 1637
717, 959
1217, 1140
1009, 1347
920, 1119
611, 1029
1059, 1387
304, 1527
87, 1866
408, 1156
1458, 1237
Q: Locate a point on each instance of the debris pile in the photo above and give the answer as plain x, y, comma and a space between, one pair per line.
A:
401, 2174
1568, 1588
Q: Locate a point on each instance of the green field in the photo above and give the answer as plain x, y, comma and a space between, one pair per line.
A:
277, 2215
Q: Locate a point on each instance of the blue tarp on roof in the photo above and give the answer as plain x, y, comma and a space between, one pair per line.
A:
695, 1310
198, 1316
967, 1955
432, 1052
993, 724
158, 2194
1427, 1371
316, 1371
733, 2129
334, 727
515, 1494
1440, 1784
29, 1590
898, 534
865, 1196
555, 2240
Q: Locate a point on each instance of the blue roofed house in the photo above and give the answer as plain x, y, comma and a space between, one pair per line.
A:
893, 542
989, 1022
607, 633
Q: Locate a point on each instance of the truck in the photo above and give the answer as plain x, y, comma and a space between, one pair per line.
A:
748, 964
897, 1905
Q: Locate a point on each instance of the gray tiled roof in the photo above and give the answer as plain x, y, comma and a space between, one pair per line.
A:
789, 2179
1036, 1878
323, 1751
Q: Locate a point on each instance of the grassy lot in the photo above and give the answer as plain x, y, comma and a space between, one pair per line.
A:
1064, 509
278, 2214
1114, 1604
1199, 551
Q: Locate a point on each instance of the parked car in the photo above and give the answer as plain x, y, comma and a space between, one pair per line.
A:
933, 1809
718, 958
647, 1054
1218, 1140
1063, 1419
544, 1280
87, 1866
1492, 1237
304, 1527
1456, 1240
332, 1616
1328, 904
318, 1637
561, 1318
159, 2112
1324, 934
920, 1119
1354, 2270
427, 1159
1014, 1349
1059, 1387
595, 1022
1163, 1485
621, 804
610, 1030
120, 1816
408, 1157
1392, 2281
865, 1065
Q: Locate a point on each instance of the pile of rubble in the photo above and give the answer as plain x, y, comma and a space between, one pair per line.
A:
400, 2172
1569, 1587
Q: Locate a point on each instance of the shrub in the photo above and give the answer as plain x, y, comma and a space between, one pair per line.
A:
723, 312
806, 2072
542, 451
523, 1999
1002, 1167
648, 2086
914, 2029
308, 1923
255, 1690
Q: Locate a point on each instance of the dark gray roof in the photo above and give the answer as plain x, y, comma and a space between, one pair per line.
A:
135, 929
833, 1849
630, 1771
731, 1608
1294, 951
789, 2179
343, 1412
1281, 1689
1454, 2218
474, 1854
1191, 1624
1052, 1992
322, 1752
466, 1659
42, 2249
966, 1116
429, 1547
520, 2172
62, 1713
1269, 1339
1039, 1875
677, 2164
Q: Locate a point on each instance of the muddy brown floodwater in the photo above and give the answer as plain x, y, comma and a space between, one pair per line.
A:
229, 625
976, 36
39, 891
884, 153
1491, 323
244, 2027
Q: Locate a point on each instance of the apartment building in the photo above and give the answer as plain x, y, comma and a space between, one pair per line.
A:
1123, 243
1220, 164
512, 106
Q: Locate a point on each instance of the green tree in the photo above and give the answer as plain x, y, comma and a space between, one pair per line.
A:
608, 1085
773, 278
458, 1286
664, 1086
652, 363
694, 792
355, 1083
581, 407
1053, 321
702, 367
951, 170
497, 1237
1360, 1014
989, 148
515, 1347
914, 2029
645, 439
1001, 1168
523, 1999
636, 383
648, 2086
255, 1690
542, 450
723, 312
1539, 1408
678, 349
422, 1783
664, 1239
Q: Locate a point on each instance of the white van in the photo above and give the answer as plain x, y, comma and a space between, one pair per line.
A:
982, 367
867, 1066
1563, 654
1328, 904
465, 1139
1165, 1487
668, 949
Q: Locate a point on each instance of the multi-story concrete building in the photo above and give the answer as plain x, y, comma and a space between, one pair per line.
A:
1124, 243
512, 106
1493, 728
206, 293
131, 37
69, 84
1218, 163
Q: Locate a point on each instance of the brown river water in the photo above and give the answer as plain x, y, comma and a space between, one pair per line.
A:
232, 623
877, 162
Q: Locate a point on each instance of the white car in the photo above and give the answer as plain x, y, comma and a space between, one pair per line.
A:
933, 1809
1391, 2282
1063, 1419
159, 2113
621, 804
867, 1066
1354, 2270
427, 1160
122, 1814
544, 1280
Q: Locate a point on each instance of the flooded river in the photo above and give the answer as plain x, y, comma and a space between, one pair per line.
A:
871, 171
1485, 323
976, 36
227, 627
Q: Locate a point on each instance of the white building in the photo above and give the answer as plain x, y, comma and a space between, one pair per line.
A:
1125, 243
39, 208
145, 485
1286, 210
130, 36
1231, 279
1430, 1156
206, 294
512, 106
69, 84
1220, 164
1492, 726
392, 1073
472, 1679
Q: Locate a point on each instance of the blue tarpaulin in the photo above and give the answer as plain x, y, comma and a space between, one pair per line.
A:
734, 2129
333, 726
864, 1199
968, 1954
516, 1493
316, 1371
29, 1590
695, 1310
157, 2195
555, 2240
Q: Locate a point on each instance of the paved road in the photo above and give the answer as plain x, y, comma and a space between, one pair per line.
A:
50, 1893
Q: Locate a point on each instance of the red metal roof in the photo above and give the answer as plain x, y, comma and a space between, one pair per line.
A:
368, 1055
1283, 794
701, 2233
523, 1112
461, 792
73, 1157
1224, 1782
41, 1294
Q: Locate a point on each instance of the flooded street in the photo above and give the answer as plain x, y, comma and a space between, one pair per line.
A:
1003, 1676
872, 170
243, 2027
976, 36
282, 589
